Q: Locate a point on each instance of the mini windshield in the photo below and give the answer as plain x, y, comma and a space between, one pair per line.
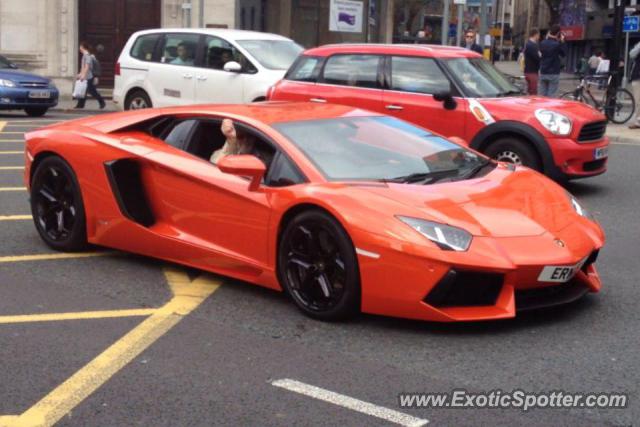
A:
480, 79
381, 149
272, 54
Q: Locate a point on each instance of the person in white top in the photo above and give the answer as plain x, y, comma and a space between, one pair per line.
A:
236, 143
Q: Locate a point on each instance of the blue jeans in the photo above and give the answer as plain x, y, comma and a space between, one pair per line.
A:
548, 84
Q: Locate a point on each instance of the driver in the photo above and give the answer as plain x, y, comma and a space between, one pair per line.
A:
236, 143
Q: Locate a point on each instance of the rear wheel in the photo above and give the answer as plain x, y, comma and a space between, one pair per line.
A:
137, 100
57, 207
36, 111
514, 150
623, 108
318, 268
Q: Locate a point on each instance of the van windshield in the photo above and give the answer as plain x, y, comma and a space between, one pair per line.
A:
272, 54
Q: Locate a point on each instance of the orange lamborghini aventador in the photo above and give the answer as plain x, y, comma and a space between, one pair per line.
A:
343, 209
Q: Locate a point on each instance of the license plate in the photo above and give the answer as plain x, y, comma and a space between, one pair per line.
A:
559, 273
600, 153
39, 94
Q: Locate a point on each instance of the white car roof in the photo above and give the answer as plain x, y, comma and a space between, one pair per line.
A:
227, 34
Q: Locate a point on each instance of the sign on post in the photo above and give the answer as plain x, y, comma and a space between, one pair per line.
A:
345, 16
631, 24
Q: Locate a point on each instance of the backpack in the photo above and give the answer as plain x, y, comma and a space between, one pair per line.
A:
96, 69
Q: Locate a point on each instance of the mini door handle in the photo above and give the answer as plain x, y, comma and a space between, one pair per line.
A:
394, 107
201, 78
318, 100
187, 76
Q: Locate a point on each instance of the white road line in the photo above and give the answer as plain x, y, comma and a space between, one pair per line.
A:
350, 403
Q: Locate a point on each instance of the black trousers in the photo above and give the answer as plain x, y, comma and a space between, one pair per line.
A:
93, 91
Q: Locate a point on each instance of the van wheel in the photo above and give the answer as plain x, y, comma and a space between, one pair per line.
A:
137, 100
516, 151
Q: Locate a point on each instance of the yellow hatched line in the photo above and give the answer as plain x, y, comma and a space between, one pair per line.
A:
2, 125
51, 317
11, 168
15, 217
11, 152
13, 188
47, 257
11, 140
11, 133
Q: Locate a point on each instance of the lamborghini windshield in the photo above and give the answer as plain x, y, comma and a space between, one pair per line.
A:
381, 149
480, 79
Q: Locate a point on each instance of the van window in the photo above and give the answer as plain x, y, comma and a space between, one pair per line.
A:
352, 70
420, 75
218, 52
306, 69
144, 46
179, 49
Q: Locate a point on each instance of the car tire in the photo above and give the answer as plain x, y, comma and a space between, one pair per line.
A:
57, 207
137, 100
318, 267
514, 150
36, 111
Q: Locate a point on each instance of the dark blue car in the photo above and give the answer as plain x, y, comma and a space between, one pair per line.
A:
20, 90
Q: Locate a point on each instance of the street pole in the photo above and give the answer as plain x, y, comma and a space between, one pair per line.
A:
483, 22
445, 23
502, 29
626, 59
614, 53
459, 28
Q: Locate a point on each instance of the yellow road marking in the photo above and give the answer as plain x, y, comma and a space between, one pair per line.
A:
626, 143
11, 133
50, 317
187, 296
46, 257
2, 125
11, 152
11, 168
11, 140
15, 217
13, 188
8, 420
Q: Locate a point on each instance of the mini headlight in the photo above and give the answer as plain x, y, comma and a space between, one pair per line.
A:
580, 210
555, 123
7, 83
445, 236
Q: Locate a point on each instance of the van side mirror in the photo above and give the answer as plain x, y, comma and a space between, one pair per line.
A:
447, 100
232, 66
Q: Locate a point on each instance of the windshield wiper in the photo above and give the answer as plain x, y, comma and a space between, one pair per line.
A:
423, 177
476, 169
509, 93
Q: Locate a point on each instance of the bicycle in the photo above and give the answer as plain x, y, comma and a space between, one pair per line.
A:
619, 111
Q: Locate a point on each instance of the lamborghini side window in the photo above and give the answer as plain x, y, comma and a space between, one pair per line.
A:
179, 135
283, 173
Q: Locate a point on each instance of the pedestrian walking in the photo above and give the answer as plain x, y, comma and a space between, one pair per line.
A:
634, 78
87, 73
551, 50
470, 41
594, 61
532, 61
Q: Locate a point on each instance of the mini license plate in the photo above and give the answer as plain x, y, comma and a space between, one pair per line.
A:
559, 273
600, 153
39, 94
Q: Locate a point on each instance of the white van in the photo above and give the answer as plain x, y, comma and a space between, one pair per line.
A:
166, 67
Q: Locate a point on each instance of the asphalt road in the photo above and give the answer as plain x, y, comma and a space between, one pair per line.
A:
82, 341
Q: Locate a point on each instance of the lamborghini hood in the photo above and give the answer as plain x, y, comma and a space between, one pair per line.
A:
501, 204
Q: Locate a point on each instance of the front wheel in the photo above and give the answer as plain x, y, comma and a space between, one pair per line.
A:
137, 100
36, 111
57, 207
514, 150
318, 268
623, 107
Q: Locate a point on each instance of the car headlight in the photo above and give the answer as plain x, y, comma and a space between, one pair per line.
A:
555, 123
7, 83
580, 210
445, 236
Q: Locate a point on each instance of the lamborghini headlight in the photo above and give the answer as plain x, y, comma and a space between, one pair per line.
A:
446, 237
580, 210
7, 83
555, 123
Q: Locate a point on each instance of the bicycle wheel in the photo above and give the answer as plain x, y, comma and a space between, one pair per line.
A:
623, 108
573, 95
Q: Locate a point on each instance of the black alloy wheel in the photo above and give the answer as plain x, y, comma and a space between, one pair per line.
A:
56, 205
318, 267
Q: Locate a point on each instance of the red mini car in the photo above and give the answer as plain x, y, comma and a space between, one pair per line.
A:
344, 209
454, 92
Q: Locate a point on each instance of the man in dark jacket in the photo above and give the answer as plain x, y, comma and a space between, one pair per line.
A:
470, 41
634, 78
532, 61
551, 50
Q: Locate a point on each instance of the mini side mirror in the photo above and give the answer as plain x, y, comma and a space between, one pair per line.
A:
447, 100
232, 66
244, 165
14, 66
